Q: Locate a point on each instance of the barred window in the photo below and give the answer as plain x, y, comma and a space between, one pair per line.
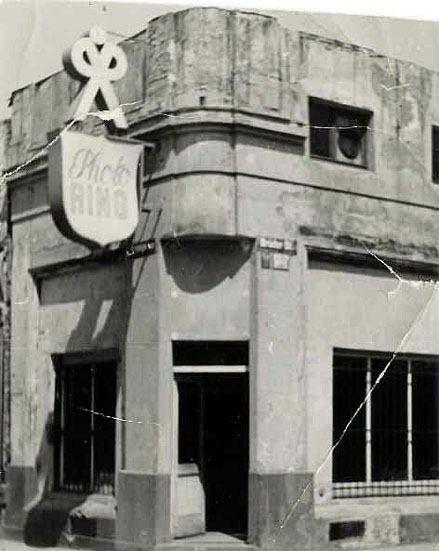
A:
84, 418
392, 446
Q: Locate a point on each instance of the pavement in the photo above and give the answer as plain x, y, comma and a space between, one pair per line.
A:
13, 545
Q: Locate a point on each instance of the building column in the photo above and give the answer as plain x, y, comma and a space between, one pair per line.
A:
280, 489
143, 491
21, 476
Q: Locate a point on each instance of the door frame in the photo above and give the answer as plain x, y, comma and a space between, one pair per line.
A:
192, 370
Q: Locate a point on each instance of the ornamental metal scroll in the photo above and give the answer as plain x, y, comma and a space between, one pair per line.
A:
97, 62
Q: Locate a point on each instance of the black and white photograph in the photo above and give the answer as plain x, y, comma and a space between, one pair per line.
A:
219, 278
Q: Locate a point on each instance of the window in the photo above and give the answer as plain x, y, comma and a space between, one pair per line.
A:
85, 410
392, 446
435, 154
339, 133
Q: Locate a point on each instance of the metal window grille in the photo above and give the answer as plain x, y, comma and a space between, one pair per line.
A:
85, 443
392, 447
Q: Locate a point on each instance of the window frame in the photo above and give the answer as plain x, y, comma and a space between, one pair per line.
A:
410, 485
338, 109
63, 363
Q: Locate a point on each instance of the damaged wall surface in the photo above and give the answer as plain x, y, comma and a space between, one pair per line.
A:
5, 329
289, 259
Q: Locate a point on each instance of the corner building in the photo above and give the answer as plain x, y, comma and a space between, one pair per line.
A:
194, 380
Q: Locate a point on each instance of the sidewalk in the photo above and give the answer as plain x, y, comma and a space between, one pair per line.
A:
12, 545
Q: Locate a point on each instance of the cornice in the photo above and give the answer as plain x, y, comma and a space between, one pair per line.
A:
200, 123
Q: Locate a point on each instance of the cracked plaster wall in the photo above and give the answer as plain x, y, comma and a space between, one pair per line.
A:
263, 70
342, 318
257, 185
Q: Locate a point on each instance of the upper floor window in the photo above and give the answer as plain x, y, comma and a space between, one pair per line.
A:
339, 133
435, 154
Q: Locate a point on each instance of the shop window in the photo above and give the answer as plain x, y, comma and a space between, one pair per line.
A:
339, 133
85, 412
435, 154
392, 446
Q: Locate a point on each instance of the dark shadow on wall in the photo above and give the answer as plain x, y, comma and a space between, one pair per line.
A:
196, 266
200, 265
46, 516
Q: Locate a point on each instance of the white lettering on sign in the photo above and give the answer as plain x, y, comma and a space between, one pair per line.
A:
99, 63
93, 188
89, 164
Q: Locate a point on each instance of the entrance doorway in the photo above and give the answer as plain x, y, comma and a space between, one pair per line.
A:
213, 436
211, 417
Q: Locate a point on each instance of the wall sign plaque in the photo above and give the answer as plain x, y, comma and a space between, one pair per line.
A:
93, 188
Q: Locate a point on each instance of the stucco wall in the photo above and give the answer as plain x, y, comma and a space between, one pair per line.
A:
224, 56
356, 309
232, 164
80, 311
207, 290
258, 76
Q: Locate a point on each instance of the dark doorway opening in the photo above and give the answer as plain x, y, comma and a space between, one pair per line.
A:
214, 435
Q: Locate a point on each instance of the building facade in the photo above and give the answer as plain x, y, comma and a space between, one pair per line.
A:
5, 268
203, 377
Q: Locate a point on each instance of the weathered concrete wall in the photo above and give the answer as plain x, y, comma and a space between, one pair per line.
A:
334, 218
355, 311
277, 367
207, 290
227, 58
73, 312
280, 493
179, 293
5, 319
232, 164
258, 74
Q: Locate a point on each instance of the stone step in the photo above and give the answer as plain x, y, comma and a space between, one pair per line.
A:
175, 546
210, 541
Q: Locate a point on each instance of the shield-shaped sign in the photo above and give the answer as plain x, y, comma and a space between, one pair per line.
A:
93, 188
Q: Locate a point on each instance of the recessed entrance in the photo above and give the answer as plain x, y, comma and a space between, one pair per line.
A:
212, 444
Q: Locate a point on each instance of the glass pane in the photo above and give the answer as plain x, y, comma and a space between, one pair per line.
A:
425, 382
76, 452
320, 121
104, 427
349, 388
389, 421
